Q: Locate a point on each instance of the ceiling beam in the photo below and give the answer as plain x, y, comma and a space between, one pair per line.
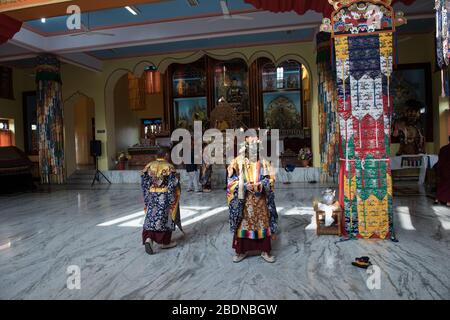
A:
60, 8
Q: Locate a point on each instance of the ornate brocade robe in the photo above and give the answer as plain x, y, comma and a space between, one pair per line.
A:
160, 185
255, 216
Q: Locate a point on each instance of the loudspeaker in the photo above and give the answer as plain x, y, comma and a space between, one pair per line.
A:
96, 148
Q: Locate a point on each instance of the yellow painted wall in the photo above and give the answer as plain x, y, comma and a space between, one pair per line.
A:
115, 69
100, 87
84, 112
23, 80
421, 49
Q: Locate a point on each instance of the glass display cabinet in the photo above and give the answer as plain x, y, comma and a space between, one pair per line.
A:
281, 95
231, 83
189, 92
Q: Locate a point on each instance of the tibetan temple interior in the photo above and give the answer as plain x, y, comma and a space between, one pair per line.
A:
349, 100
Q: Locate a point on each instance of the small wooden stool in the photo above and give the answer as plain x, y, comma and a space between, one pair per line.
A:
335, 228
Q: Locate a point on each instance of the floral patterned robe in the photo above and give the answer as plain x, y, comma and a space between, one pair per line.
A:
255, 216
160, 185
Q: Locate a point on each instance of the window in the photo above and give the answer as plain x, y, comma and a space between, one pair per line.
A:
4, 124
6, 138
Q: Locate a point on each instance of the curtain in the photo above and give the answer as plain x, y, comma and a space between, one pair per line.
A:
328, 120
5, 138
301, 6
50, 119
152, 82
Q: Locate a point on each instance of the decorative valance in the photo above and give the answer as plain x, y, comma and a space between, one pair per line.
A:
8, 27
302, 6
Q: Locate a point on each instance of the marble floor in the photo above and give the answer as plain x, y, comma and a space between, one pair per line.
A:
99, 230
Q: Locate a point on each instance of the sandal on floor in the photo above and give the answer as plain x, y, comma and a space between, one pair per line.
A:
239, 257
267, 257
364, 259
362, 264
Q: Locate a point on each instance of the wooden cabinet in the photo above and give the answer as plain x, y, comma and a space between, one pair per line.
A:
264, 95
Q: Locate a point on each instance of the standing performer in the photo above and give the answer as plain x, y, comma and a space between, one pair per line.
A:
253, 215
160, 185
206, 172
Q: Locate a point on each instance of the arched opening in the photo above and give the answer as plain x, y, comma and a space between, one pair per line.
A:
79, 128
131, 121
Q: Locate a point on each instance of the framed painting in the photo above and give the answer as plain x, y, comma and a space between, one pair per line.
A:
411, 93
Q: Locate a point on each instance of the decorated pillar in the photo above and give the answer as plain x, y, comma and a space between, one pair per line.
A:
50, 119
363, 34
328, 120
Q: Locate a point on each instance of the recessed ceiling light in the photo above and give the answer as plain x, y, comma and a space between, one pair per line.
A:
133, 10
43, 20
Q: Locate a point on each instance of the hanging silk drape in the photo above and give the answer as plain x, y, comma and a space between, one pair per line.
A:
302, 6
328, 124
8, 27
50, 119
152, 81
364, 57
5, 138
442, 43
136, 92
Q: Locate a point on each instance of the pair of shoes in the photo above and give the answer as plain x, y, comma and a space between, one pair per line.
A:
267, 257
207, 190
362, 262
189, 190
172, 244
239, 257
149, 247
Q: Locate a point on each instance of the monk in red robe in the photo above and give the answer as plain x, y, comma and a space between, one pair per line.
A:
443, 172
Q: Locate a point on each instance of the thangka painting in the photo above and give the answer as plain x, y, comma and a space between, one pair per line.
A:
412, 102
188, 110
282, 111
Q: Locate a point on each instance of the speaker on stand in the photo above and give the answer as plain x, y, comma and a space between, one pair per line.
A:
96, 151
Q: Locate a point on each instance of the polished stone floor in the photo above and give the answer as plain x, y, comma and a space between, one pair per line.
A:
99, 230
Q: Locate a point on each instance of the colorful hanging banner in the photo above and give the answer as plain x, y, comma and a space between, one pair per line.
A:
328, 118
363, 38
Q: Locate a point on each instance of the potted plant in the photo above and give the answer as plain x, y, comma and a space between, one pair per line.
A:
122, 160
305, 156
